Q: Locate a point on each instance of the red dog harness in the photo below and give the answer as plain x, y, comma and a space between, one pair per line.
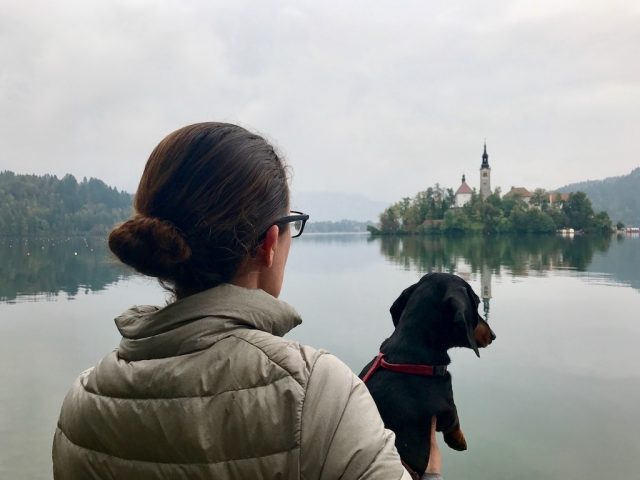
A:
425, 370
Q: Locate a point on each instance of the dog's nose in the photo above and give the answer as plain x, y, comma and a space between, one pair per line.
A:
493, 335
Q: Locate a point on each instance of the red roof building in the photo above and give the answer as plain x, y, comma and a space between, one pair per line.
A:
463, 194
519, 192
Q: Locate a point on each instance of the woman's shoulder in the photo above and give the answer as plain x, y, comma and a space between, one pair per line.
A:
298, 359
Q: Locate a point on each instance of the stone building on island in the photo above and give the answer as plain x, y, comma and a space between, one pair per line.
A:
464, 192
519, 192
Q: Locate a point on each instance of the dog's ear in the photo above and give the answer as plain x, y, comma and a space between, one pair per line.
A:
398, 306
463, 322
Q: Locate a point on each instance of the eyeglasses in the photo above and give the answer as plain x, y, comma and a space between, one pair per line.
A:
297, 222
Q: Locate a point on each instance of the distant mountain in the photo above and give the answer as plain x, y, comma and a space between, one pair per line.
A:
324, 206
618, 196
341, 226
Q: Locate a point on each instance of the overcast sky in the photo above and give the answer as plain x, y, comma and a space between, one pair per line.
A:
381, 98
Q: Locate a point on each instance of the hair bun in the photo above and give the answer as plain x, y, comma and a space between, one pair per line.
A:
152, 246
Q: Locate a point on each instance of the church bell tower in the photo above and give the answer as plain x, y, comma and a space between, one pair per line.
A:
485, 175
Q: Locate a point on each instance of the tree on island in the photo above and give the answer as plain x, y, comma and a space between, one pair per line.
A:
434, 211
418, 214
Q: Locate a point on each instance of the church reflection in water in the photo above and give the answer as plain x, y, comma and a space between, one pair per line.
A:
485, 273
614, 258
485, 288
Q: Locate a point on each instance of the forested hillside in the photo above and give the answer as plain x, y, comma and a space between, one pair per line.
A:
47, 205
618, 196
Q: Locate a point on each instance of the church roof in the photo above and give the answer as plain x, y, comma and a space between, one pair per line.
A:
518, 192
464, 188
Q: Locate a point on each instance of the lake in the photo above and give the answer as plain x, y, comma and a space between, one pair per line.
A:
556, 396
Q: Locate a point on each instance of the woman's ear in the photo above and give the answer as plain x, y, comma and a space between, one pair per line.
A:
267, 249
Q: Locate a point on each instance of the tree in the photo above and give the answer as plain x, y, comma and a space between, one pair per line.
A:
558, 217
449, 200
491, 216
540, 198
601, 223
539, 222
39, 205
389, 222
456, 221
509, 203
578, 211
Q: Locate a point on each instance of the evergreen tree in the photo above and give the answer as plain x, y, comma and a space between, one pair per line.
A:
46, 205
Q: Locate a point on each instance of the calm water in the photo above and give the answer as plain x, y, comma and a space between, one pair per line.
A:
555, 397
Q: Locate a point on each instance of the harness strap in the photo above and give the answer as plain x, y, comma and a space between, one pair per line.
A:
373, 368
412, 369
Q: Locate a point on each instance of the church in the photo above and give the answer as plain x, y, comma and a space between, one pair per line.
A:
464, 192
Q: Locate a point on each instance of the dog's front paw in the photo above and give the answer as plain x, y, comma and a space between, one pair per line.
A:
455, 439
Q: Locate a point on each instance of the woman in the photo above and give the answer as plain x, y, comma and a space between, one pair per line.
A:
206, 387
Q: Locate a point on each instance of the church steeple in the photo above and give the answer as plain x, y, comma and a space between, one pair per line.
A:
485, 174
485, 157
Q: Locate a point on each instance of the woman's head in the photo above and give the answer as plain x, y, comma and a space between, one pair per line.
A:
208, 194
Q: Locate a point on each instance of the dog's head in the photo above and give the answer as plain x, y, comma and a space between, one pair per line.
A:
443, 309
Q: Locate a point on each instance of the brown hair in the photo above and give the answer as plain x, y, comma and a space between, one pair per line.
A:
208, 193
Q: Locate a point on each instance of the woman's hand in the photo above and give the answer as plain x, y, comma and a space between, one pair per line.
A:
434, 466
435, 459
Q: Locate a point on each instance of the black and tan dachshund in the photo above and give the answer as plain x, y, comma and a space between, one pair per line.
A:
408, 379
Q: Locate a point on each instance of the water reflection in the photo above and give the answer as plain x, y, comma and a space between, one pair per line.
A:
621, 262
33, 268
485, 289
521, 255
36, 268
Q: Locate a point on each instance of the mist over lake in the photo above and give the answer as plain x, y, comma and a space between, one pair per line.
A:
555, 396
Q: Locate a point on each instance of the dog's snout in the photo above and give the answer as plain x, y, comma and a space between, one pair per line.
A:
483, 334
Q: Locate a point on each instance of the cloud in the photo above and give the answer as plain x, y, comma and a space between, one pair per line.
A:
380, 98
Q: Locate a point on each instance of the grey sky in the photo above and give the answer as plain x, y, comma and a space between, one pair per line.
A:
382, 98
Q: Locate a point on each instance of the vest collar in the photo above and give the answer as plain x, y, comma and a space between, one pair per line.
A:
197, 321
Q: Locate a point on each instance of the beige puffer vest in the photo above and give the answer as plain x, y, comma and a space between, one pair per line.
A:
206, 388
